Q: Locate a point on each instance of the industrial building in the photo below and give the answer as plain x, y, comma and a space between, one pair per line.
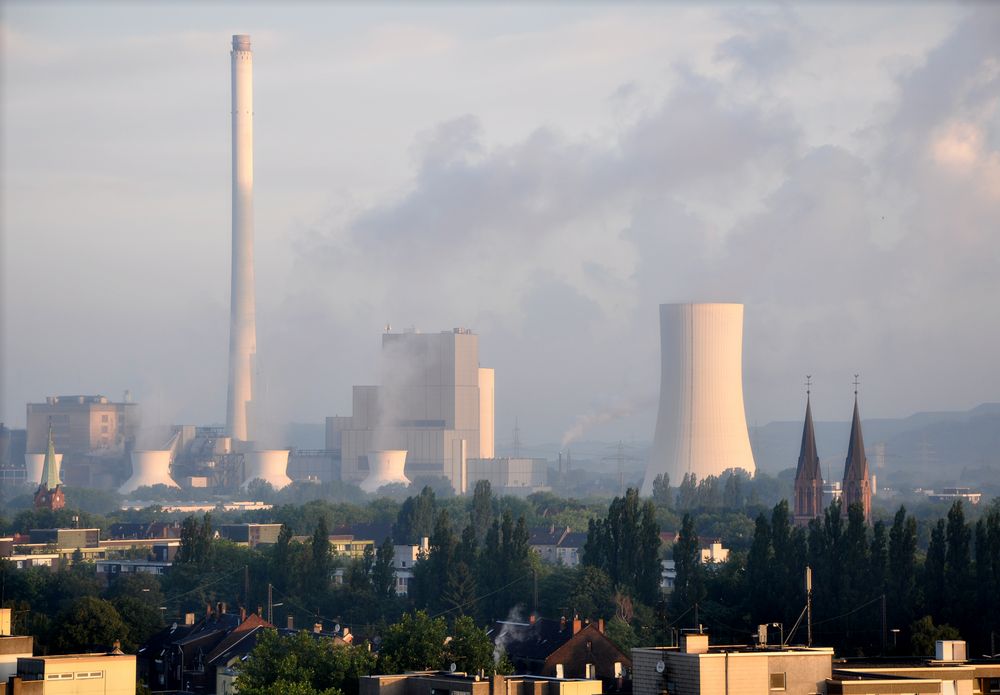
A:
701, 426
434, 402
509, 475
92, 433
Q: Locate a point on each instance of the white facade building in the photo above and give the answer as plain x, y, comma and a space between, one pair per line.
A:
434, 402
701, 427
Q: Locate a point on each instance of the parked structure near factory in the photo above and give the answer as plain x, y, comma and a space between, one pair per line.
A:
701, 427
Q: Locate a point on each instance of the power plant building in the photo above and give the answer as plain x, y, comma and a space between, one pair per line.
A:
701, 428
434, 402
93, 433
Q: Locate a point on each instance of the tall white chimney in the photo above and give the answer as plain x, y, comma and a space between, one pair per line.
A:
242, 323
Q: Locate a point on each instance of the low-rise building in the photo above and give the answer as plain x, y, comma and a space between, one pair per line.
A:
557, 545
250, 535
694, 668
564, 649
445, 683
950, 494
111, 673
949, 673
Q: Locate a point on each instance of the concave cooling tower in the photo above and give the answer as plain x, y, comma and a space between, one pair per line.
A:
701, 427
34, 464
385, 468
149, 468
270, 465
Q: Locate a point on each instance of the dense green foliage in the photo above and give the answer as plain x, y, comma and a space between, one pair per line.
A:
937, 574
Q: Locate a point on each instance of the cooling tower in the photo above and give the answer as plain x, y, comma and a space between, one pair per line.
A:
149, 468
270, 465
701, 427
385, 468
33, 466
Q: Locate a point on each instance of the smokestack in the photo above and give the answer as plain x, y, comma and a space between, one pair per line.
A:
242, 322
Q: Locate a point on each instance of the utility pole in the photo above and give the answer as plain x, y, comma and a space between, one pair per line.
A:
620, 458
270, 605
246, 586
809, 607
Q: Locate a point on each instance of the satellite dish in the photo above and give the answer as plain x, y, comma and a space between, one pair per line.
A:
660, 666
454, 667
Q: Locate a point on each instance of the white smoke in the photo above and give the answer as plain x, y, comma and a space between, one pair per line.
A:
513, 630
593, 419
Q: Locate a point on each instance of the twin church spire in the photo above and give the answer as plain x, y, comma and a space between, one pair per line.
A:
856, 489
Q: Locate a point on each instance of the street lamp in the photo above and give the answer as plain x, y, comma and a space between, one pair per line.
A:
894, 631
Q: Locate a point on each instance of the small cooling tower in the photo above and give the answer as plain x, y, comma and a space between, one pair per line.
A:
149, 468
385, 468
34, 464
270, 465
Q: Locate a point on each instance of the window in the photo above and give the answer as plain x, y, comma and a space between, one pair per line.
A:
104, 418
87, 675
59, 677
778, 681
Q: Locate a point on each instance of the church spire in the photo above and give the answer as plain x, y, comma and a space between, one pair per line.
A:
857, 483
808, 476
50, 494
50, 469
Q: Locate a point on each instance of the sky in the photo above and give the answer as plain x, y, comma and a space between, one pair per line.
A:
545, 175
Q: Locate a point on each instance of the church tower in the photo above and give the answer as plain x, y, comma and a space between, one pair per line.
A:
808, 477
857, 481
50, 493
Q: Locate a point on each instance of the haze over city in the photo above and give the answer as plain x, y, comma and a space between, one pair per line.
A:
544, 176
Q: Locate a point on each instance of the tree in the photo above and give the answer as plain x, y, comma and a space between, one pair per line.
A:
383, 573
934, 571
689, 586
321, 565
280, 559
415, 643
592, 593
902, 575
687, 492
302, 663
662, 496
416, 518
89, 624
958, 569
471, 649
924, 634
626, 545
482, 509
196, 541
759, 588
